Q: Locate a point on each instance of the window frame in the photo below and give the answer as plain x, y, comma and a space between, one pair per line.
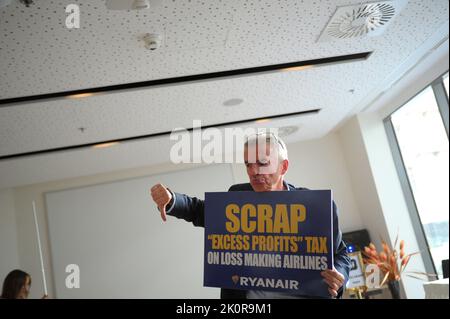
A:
442, 102
441, 99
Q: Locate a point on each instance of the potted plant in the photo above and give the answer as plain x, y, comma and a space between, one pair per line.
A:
392, 263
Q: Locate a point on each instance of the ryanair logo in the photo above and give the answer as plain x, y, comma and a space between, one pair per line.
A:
256, 282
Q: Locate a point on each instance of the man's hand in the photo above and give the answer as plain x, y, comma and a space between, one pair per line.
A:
161, 196
334, 280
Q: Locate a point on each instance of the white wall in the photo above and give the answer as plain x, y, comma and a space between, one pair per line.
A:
362, 180
23, 196
390, 194
9, 258
378, 190
320, 164
115, 234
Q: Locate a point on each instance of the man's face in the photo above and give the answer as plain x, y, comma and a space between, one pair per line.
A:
265, 170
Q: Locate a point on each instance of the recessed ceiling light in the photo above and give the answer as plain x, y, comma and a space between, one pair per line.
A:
105, 145
233, 102
80, 96
132, 4
287, 130
141, 4
262, 121
298, 68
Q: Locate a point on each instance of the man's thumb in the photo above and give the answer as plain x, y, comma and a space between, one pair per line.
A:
163, 212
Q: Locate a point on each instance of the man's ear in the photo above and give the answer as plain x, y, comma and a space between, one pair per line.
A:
284, 166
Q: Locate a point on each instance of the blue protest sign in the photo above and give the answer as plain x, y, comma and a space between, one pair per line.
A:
277, 241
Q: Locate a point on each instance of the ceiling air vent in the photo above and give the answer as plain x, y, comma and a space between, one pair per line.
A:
369, 19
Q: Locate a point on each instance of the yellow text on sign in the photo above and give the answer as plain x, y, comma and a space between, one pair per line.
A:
316, 245
263, 219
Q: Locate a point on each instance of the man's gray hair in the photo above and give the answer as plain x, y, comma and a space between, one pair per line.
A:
270, 139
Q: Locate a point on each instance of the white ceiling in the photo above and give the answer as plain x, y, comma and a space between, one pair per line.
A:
39, 55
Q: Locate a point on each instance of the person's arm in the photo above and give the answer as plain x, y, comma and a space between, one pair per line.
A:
190, 209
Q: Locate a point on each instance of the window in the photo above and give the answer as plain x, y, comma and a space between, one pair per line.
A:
421, 140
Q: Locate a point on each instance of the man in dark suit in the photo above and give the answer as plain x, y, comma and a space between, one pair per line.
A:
266, 159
